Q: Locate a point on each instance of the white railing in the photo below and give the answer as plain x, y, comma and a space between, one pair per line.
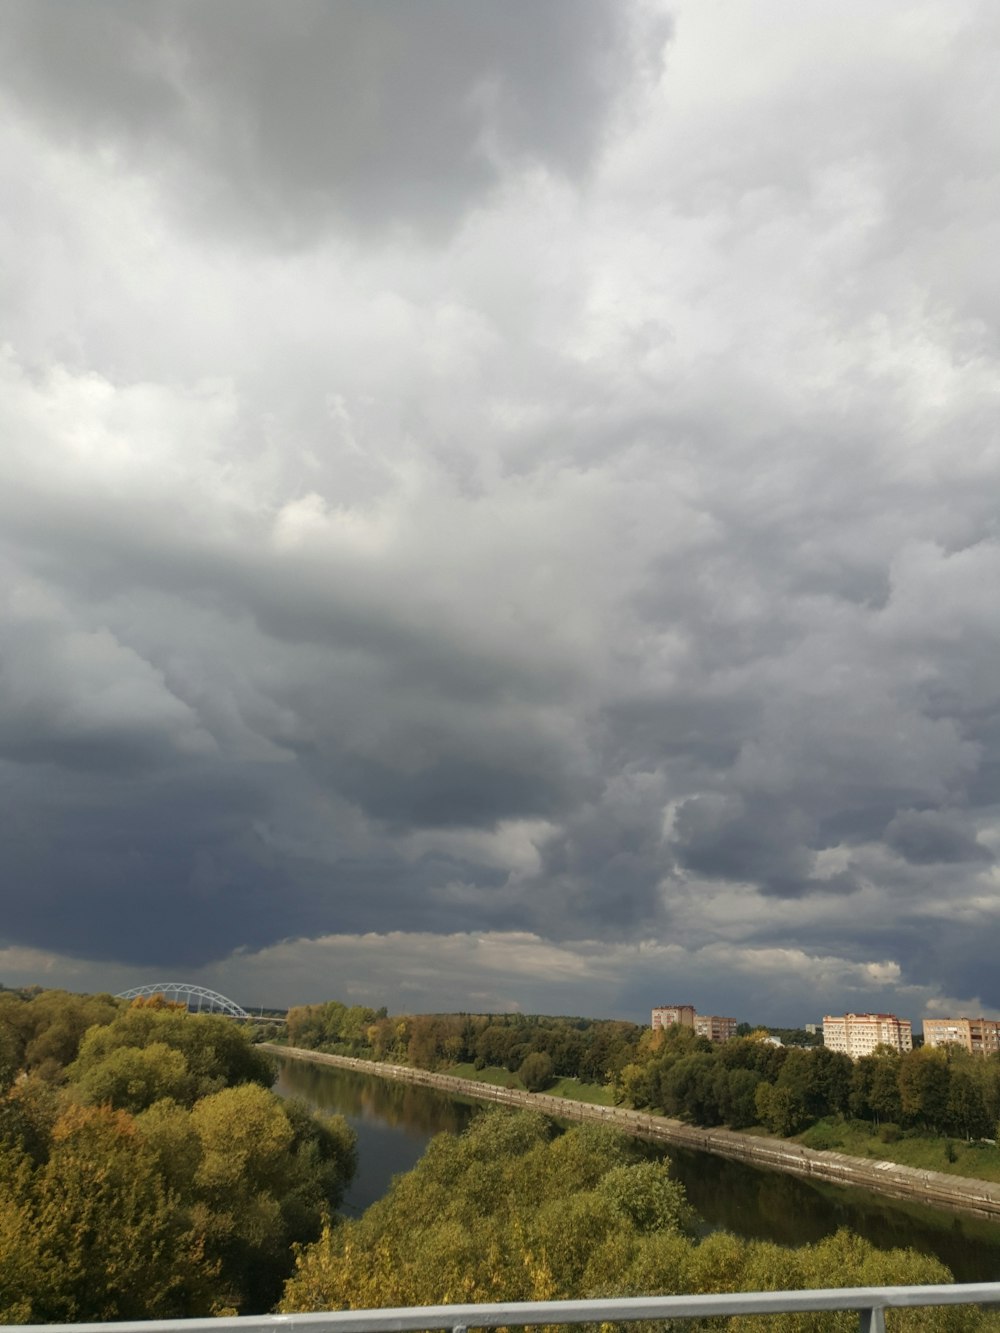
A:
871, 1304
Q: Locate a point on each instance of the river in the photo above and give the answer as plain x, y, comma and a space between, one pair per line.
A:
394, 1122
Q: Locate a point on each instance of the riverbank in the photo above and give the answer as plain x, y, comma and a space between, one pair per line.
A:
934, 1188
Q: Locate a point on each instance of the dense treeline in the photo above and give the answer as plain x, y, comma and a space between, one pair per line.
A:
511, 1210
593, 1050
146, 1169
748, 1081
742, 1083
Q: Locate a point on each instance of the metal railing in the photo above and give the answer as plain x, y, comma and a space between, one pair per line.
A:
870, 1303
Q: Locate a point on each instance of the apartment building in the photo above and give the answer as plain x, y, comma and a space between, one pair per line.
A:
669, 1015
859, 1034
714, 1028
979, 1035
711, 1026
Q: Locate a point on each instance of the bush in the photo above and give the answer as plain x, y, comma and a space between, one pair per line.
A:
822, 1137
535, 1071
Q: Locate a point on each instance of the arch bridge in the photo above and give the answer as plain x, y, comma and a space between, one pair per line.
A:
199, 999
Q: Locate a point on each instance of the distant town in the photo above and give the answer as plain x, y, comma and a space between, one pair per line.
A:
852, 1034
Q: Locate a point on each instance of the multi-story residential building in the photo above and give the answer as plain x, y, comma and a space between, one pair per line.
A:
683, 1015
979, 1035
859, 1034
715, 1028
669, 1015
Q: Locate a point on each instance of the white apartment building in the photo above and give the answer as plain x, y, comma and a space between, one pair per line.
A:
859, 1034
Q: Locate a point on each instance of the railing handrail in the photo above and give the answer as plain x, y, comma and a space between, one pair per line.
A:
870, 1302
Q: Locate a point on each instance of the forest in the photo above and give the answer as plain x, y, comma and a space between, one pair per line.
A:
587, 1049
743, 1083
515, 1210
147, 1170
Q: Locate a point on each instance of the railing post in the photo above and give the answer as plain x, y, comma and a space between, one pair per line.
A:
872, 1320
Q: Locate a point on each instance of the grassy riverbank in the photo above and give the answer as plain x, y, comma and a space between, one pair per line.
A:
954, 1157
571, 1088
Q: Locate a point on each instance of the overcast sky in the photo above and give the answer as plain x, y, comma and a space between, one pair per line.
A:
500, 502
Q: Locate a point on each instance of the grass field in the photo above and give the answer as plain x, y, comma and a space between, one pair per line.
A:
978, 1161
563, 1087
495, 1074
576, 1091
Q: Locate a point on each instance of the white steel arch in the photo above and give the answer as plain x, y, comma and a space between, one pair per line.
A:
199, 999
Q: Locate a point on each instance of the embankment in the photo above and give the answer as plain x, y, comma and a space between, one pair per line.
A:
903, 1182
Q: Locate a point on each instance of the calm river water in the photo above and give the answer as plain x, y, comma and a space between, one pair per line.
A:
394, 1121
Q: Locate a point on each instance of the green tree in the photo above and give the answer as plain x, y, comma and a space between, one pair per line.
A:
966, 1113
644, 1193
44, 1032
571, 1216
112, 1241
504, 1211
535, 1071
265, 1175
218, 1051
924, 1079
132, 1078
739, 1104
874, 1089
781, 1109
11, 1049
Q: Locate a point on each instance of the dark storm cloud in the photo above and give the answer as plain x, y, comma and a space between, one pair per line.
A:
162, 872
757, 840
614, 569
930, 837
602, 872
452, 791
287, 116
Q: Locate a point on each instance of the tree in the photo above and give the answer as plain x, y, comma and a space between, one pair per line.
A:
688, 1088
46, 1030
132, 1078
967, 1114
781, 1109
571, 1216
217, 1051
257, 1184
739, 1105
874, 1088
535, 1071
924, 1079
647, 1197
832, 1072
112, 1240
503, 1212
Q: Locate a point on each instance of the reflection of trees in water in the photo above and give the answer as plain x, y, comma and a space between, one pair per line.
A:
771, 1205
421, 1111
729, 1195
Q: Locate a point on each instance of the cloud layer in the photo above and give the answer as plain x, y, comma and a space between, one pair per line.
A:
509, 493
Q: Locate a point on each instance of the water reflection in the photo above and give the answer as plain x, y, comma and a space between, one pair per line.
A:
394, 1122
769, 1205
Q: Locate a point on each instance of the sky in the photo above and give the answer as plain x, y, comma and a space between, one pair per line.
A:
500, 503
